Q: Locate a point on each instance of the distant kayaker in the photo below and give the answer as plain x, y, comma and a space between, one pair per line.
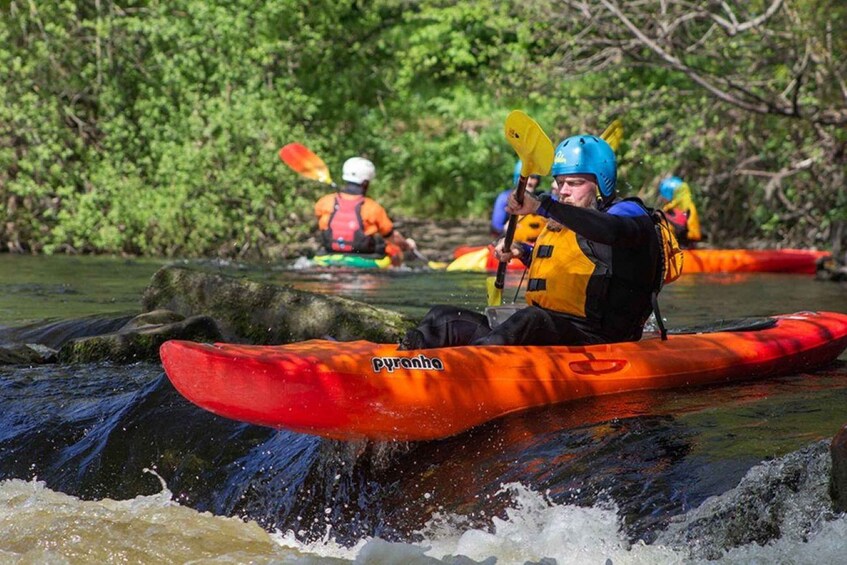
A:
591, 271
675, 199
528, 227
350, 222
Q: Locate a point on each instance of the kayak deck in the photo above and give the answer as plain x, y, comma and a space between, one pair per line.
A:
353, 390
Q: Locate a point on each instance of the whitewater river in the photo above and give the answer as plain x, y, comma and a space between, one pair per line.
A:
105, 463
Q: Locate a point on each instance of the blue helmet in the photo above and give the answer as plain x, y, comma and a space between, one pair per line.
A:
668, 186
516, 175
587, 154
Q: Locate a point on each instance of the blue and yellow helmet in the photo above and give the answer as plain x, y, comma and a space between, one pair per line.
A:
587, 154
516, 174
669, 186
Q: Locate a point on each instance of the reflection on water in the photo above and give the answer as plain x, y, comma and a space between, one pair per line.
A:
34, 288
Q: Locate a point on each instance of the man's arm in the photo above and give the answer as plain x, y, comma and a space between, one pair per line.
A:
610, 227
499, 216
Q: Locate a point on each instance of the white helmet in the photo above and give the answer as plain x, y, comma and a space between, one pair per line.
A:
358, 170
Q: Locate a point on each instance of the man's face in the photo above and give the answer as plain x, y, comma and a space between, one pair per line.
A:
532, 183
577, 189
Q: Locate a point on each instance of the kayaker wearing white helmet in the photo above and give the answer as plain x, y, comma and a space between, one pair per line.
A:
591, 271
351, 222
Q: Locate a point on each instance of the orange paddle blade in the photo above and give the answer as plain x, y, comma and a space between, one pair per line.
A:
305, 163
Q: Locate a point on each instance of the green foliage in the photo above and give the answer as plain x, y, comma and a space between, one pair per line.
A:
152, 127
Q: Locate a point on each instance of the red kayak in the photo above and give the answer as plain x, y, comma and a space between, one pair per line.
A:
354, 390
799, 261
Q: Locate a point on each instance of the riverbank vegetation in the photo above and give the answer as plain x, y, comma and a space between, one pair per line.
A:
147, 127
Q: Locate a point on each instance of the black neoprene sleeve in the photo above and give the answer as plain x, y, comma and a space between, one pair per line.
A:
609, 229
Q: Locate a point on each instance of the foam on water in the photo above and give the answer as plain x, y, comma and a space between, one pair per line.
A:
40, 525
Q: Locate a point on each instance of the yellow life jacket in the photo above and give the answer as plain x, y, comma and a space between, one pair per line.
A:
561, 271
682, 200
529, 227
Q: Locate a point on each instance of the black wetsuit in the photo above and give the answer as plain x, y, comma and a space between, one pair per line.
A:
621, 236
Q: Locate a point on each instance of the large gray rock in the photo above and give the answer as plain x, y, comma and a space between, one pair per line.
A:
269, 314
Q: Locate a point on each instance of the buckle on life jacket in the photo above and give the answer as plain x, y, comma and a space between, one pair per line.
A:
536, 284
544, 251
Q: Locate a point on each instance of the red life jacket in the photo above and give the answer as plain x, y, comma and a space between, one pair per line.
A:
345, 231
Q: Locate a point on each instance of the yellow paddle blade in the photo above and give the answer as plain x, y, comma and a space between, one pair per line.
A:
384, 262
474, 261
530, 143
495, 295
613, 135
305, 163
437, 265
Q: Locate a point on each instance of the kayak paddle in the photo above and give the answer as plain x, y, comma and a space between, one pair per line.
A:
434, 265
535, 151
305, 163
613, 135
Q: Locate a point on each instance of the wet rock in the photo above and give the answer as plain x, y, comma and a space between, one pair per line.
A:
140, 338
55, 333
154, 318
269, 314
26, 354
828, 269
838, 480
776, 499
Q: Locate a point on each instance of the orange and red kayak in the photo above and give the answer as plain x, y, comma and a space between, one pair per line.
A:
799, 261
353, 390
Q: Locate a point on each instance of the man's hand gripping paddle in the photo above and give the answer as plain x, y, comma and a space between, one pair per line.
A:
305, 163
535, 151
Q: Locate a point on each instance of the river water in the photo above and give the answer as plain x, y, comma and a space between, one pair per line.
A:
105, 463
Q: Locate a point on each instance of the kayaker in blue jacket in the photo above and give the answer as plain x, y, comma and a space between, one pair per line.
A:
528, 227
591, 271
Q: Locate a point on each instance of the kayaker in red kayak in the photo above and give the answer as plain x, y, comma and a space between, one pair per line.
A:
675, 199
528, 227
591, 272
350, 222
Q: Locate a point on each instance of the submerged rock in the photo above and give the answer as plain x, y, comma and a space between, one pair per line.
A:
56, 333
270, 314
26, 354
838, 482
785, 498
139, 339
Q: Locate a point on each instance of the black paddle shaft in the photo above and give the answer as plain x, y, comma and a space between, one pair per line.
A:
500, 281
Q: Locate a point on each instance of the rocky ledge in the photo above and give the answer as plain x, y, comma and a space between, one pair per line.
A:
192, 304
